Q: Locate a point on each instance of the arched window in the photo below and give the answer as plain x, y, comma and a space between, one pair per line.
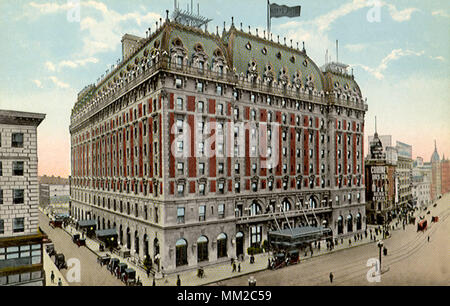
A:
128, 239
340, 225
255, 209
349, 223
312, 202
202, 249
358, 222
286, 206
239, 243
222, 245
181, 253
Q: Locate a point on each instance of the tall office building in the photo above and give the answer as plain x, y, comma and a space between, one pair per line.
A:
20, 239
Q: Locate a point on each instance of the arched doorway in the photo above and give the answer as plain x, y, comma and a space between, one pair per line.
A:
358, 222
181, 253
239, 244
136, 242
155, 247
340, 225
222, 245
121, 234
146, 245
202, 249
349, 223
128, 238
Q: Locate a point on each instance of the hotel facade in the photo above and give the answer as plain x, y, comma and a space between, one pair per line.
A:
197, 144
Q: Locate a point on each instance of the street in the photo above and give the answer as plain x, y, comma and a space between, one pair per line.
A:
411, 260
91, 274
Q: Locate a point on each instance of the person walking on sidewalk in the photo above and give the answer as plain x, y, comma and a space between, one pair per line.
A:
239, 267
59, 282
52, 277
154, 282
178, 281
234, 267
331, 277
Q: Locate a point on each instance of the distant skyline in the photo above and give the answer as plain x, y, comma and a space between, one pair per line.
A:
399, 51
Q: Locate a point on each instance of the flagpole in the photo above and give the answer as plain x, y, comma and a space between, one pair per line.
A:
268, 18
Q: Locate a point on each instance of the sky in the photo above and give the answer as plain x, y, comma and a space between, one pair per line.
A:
399, 51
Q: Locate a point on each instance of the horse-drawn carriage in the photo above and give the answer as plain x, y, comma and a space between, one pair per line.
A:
50, 249
113, 263
129, 278
60, 261
434, 219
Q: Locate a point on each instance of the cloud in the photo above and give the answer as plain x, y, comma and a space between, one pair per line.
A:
101, 33
393, 56
70, 63
59, 83
440, 13
400, 16
38, 83
49, 65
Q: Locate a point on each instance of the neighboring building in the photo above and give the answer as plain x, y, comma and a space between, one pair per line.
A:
21, 261
142, 138
445, 175
436, 175
53, 195
421, 187
403, 175
53, 180
380, 183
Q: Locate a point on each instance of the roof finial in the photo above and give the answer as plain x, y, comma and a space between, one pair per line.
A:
376, 132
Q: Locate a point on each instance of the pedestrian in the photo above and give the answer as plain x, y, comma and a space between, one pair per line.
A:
239, 267
178, 281
232, 261
234, 267
52, 277
59, 282
148, 272
349, 242
428, 238
154, 282
331, 277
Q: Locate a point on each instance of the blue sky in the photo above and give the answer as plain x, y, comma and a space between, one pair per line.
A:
399, 51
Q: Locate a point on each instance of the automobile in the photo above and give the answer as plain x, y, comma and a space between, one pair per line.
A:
75, 238
103, 260
113, 263
128, 276
293, 257
50, 249
81, 242
60, 261
121, 269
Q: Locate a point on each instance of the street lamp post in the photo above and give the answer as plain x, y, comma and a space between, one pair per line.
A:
380, 246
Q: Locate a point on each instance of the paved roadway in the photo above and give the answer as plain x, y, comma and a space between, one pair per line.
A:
411, 260
91, 273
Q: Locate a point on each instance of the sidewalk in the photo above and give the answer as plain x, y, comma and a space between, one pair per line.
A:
223, 271
49, 266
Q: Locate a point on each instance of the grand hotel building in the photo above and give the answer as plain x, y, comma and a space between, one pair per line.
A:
287, 138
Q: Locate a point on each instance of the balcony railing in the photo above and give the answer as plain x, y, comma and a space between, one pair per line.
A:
280, 214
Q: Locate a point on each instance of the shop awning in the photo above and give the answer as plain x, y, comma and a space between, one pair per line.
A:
87, 223
111, 232
298, 235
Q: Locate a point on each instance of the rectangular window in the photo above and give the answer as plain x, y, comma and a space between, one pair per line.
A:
17, 140
202, 213
221, 168
180, 189
179, 103
2, 228
180, 167
201, 106
18, 225
201, 168
17, 168
221, 211
1, 169
18, 196
201, 189
180, 215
